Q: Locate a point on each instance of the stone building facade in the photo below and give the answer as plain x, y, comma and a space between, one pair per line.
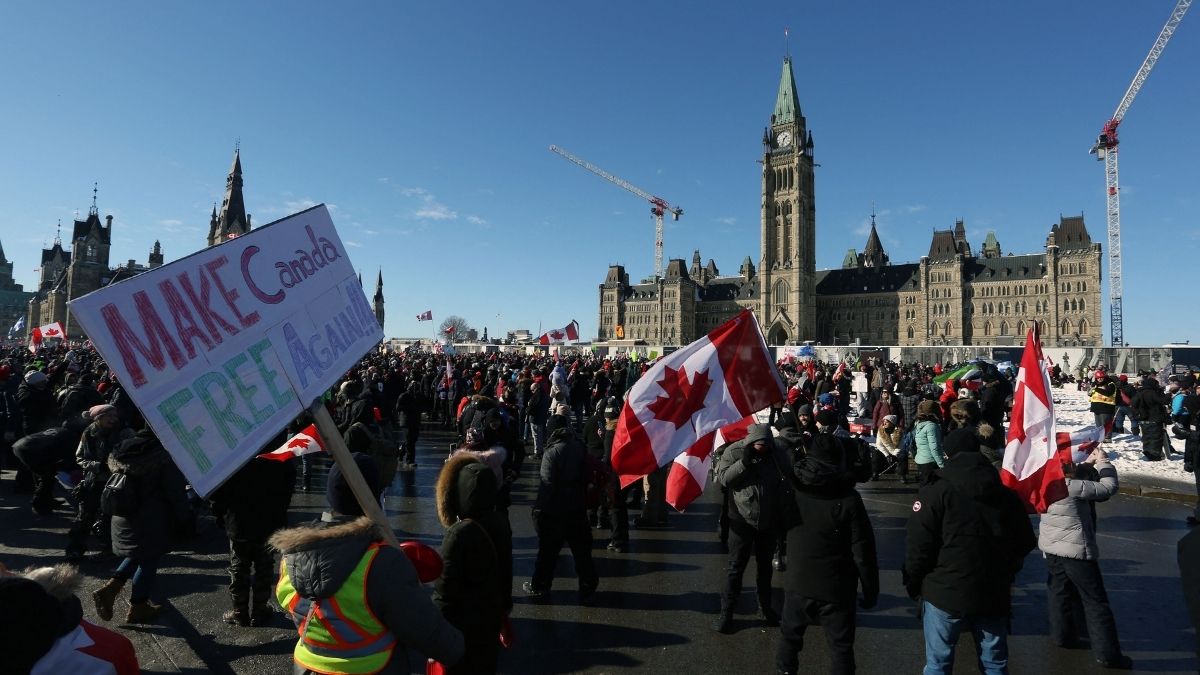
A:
72, 271
14, 299
952, 296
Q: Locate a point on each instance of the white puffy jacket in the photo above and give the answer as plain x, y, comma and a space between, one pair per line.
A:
1067, 529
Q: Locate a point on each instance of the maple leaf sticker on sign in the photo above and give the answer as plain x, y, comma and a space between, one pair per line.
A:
682, 398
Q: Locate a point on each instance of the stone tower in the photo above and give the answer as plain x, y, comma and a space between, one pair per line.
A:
156, 256
379, 299
788, 264
232, 221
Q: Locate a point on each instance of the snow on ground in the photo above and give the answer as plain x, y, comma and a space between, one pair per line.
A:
1125, 450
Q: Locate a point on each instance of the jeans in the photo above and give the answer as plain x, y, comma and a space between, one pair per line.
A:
1119, 422
143, 571
539, 435
1073, 581
941, 637
838, 620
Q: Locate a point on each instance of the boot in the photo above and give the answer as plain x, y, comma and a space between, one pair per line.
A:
779, 562
240, 614
724, 623
261, 612
768, 614
105, 596
143, 612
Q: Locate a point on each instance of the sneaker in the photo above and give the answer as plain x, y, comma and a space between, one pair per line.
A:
616, 547
236, 617
532, 591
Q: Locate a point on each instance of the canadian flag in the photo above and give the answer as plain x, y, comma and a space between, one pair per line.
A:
52, 330
1075, 446
427, 315
1031, 467
305, 442
450, 330
716, 380
558, 335
689, 471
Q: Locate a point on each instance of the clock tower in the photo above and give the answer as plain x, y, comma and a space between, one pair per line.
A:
788, 265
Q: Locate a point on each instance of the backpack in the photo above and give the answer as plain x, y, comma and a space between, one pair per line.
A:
908, 444
120, 495
597, 475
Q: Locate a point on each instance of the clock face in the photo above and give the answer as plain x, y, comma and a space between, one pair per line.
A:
784, 139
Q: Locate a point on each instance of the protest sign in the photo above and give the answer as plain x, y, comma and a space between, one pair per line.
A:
221, 349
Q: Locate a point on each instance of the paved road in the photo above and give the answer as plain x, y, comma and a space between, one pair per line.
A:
656, 603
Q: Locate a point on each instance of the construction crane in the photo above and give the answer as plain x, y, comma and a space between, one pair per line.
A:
1106, 151
658, 205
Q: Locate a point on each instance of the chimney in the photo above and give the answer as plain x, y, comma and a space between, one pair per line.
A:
108, 221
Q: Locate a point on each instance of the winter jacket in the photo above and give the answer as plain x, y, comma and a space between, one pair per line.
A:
908, 405
408, 408
889, 443
561, 488
832, 549
967, 538
928, 439
76, 399
1068, 527
162, 506
94, 449
1150, 405
38, 410
254, 502
318, 558
758, 486
882, 410
474, 592
993, 400
1104, 397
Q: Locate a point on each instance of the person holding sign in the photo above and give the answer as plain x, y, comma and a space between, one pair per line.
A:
356, 601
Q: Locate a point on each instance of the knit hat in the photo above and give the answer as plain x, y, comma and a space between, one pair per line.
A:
805, 409
890, 418
555, 423
1123, 377
32, 625
928, 407
35, 378
338, 493
98, 411
960, 440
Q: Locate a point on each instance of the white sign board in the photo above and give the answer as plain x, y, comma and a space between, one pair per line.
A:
221, 349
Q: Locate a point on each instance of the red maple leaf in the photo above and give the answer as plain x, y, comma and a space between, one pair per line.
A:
682, 398
557, 335
51, 332
297, 442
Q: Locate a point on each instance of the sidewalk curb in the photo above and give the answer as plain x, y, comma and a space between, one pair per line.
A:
1158, 492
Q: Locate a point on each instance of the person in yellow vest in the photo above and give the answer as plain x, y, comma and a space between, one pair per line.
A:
356, 602
1104, 400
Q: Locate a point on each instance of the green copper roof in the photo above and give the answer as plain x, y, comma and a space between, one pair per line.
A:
787, 104
991, 241
851, 259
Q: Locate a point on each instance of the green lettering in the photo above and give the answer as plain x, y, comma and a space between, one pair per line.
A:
190, 438
246, 391
224, 415
281, 398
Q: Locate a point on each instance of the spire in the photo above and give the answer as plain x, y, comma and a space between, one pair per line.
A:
2, 258
787, 103
232, 220
379, 286
94, 211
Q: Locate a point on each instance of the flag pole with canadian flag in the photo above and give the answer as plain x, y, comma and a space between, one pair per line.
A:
686, 397
1032, 467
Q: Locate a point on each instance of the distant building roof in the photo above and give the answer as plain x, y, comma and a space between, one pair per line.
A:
887, 279
1007, 268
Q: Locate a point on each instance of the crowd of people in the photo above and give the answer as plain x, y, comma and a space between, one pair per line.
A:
789, 499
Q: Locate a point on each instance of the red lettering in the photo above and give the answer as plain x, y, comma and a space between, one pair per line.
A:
185, 323
230, 295
206, 312
274, 298
128, 342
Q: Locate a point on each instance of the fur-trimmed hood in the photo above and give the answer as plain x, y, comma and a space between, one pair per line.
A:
320, 557
61, 580
140, 455
466, 488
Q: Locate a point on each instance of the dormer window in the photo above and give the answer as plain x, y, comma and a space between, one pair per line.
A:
91, 251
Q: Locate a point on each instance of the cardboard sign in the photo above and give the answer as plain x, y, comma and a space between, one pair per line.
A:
221, 349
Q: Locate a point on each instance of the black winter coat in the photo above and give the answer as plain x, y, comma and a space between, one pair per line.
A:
254, 502
968, 536
161, 498
832, 550
1150, 405
76, 399
561, 488
38, 410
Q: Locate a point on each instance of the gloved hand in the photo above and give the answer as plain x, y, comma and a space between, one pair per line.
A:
749, 457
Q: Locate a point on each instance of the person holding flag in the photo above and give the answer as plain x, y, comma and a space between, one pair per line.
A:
1067, 536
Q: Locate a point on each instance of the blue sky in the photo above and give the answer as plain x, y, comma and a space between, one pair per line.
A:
425, 127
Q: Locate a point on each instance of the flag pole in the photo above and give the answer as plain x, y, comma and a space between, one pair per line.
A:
336, 446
